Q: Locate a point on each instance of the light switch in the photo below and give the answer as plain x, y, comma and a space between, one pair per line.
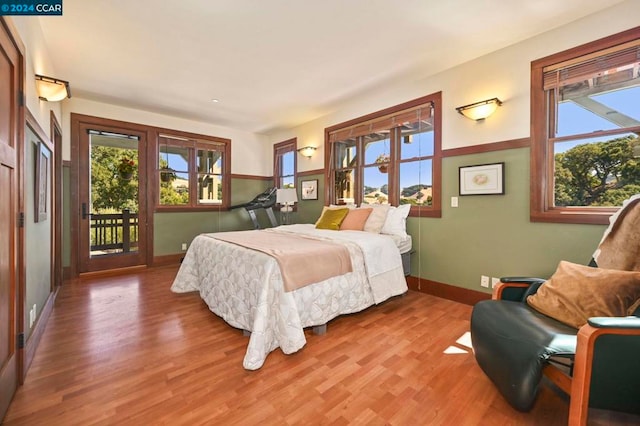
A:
454, 201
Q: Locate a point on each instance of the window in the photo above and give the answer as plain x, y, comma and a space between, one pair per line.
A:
585, 127
284, 164
192, 172
389, 157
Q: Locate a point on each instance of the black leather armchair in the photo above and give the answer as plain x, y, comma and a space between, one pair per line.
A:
597, 365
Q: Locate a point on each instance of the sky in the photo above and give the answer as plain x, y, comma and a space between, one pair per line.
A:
177, 159
573, 119
412, 173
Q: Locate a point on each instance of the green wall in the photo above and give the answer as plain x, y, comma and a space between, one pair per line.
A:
172, 229
66, 216
491, 234
308, 211
486, 235
37, 237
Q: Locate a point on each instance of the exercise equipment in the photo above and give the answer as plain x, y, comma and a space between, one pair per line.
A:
263, 201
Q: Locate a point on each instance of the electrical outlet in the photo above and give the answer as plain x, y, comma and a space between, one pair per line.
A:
454, 201
184, 246
484, 281
494, 281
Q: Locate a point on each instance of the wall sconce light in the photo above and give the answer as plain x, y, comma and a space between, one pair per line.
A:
52, 89
307, 151
480, 110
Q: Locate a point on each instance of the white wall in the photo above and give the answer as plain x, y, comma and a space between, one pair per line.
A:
248, 150
250, 153
38, 61
504, 74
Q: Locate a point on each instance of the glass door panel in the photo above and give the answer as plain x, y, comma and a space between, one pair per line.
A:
113, 195
112, 191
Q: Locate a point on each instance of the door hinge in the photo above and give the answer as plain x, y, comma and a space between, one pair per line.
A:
21, 220
21, 341
21, 99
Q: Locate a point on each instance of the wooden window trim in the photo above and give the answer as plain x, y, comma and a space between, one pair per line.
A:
280, 149
435, 210
541, 186
194, 142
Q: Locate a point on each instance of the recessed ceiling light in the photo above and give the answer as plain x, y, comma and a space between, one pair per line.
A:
215, 101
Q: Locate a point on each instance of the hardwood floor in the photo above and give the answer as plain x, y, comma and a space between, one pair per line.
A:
126, 350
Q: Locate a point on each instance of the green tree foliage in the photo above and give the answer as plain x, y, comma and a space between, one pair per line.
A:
170, 194
109, 191
408, 192
597, 174
411, 190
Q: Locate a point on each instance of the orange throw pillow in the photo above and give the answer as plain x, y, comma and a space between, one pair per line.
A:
576, 293
355, 220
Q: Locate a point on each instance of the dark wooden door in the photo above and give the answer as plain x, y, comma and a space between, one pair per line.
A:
10, 144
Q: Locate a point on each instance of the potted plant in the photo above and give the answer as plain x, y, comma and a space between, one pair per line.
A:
126, 167
167, 174
383, 161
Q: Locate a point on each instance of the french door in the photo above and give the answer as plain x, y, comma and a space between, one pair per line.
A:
112, 198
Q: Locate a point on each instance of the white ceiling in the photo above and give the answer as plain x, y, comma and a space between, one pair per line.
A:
277, 63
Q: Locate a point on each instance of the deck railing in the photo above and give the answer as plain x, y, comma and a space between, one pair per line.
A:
114, 233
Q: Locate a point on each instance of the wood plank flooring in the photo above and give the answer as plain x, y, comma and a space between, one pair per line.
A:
126, 350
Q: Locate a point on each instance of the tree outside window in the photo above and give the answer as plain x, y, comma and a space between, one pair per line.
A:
585, 133
113, 188
192, 173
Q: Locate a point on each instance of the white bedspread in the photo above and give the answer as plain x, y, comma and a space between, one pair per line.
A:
380, 254
245, 288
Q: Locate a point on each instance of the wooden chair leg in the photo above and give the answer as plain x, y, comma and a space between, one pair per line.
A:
581, 383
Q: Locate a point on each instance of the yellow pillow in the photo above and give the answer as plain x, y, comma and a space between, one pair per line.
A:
334, 207
576, 293
331, 219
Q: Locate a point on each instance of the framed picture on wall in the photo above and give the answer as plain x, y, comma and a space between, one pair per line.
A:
40, 196
482, 179
309, 189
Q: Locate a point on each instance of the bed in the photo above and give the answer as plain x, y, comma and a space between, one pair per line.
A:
245, 287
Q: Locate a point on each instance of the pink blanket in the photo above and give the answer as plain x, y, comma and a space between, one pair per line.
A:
302, 260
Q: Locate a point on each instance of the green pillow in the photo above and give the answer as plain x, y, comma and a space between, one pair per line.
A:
332, 219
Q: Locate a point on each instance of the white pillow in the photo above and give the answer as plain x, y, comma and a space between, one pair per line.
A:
396, 222
376, 219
